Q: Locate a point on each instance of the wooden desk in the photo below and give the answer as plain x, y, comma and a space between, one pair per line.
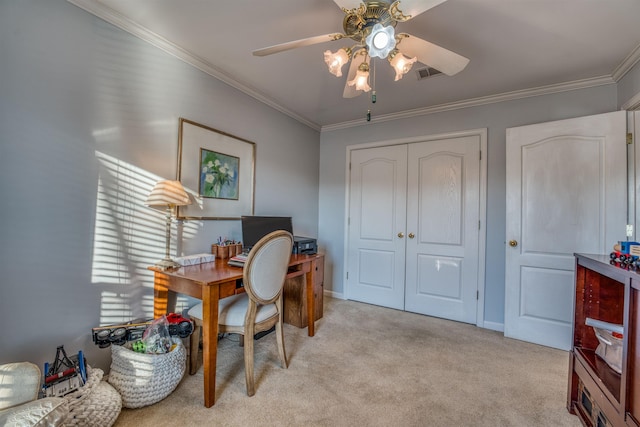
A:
210, 282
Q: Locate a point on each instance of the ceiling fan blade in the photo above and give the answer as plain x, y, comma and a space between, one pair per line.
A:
432, 55
413, 8
348, 4
297, 43
350, 91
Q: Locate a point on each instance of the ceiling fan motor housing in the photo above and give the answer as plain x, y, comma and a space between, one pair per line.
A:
358, 23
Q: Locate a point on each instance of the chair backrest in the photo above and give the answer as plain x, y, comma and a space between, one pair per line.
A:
266, 266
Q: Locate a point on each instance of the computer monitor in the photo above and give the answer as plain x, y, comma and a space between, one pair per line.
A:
255, 228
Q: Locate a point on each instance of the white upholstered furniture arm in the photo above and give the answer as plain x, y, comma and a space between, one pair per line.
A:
19, 403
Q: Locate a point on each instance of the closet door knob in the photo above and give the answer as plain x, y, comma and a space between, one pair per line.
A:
411, 235
401, 234
513, 243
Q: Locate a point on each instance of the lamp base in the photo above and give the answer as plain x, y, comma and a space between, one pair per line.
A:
167, 263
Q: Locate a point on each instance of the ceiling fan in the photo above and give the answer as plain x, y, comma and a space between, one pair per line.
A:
371, 24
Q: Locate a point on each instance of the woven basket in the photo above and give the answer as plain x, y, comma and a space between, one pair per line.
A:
94, 404
144, 379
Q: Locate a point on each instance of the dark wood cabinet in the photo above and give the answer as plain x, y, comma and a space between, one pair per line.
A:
295, 295
597, 394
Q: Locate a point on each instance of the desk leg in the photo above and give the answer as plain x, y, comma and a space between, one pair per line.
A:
310, 277
210, 298
164, 300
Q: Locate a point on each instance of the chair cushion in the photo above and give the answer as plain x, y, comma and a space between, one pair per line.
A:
50, 411
231, 310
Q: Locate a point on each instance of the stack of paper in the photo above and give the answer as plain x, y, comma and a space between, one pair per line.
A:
195, 259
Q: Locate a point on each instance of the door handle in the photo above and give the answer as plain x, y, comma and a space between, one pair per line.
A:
513, 243
411, 235
401, 234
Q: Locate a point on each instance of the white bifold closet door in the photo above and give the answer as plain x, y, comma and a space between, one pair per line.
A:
414, 227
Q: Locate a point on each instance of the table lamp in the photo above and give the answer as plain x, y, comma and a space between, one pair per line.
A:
168, 194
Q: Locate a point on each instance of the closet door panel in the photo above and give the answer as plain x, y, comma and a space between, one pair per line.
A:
377, 220
443, 193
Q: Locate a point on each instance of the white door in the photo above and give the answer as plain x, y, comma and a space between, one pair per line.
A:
441, 277
377, 214
566, 193
443, 212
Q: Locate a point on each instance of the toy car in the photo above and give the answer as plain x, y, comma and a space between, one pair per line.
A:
178, 325
622, 254
104, 336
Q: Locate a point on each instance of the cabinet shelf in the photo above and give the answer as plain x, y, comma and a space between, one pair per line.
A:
598, 369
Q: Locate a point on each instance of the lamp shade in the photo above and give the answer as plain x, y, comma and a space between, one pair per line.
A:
336, 60
400, 63
361, 79
168, 193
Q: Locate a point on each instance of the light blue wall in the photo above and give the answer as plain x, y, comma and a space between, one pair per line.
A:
629, 85
72, 86
496, 118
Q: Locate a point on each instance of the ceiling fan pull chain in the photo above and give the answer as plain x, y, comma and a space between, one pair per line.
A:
373, 92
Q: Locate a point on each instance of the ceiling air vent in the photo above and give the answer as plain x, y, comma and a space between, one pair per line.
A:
427, 72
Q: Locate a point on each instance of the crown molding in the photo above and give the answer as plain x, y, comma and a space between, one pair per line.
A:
626, 64
111, 16
475, 102
633, 104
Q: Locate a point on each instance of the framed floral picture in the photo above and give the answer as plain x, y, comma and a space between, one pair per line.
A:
218, 175
218, 170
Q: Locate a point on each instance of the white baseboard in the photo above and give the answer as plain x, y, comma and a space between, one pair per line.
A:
331, 294
494, 326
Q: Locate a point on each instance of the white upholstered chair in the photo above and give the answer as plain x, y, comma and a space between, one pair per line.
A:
259, 308
19, 404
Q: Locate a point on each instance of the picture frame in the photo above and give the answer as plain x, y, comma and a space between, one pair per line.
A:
218, 171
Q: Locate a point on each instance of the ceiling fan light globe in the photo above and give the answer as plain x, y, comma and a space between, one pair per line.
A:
335, 61
401, 64
381, 41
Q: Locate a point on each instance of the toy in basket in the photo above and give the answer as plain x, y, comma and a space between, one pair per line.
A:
104, 336
65, 374
610, 342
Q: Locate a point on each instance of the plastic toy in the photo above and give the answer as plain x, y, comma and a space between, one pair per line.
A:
65, 374
139, 347
622, 256
104, 336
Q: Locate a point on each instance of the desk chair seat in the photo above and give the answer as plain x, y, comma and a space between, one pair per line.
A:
232, 310
260, 307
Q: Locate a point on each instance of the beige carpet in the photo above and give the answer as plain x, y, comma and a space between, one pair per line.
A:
373, 366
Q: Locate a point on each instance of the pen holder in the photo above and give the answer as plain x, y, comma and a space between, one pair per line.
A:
232, 250
221, 252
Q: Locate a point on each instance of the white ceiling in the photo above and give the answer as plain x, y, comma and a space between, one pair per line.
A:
516, 48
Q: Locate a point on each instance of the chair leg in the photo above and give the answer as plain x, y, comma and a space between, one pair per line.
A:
248, 360
280, 340
194, 347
